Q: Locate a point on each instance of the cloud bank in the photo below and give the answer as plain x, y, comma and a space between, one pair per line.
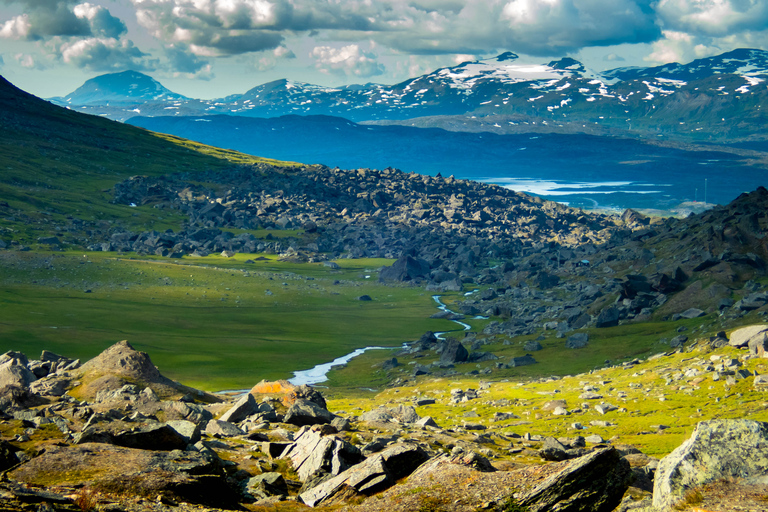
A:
193, 33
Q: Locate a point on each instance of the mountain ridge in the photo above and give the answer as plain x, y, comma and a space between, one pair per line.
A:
715, 98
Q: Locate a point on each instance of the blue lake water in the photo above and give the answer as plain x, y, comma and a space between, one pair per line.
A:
581, 170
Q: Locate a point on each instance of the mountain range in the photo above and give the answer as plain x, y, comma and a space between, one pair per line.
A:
712, 99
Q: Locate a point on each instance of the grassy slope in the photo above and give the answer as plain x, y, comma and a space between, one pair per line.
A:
207, 322
642, 390
56, 162
209, 325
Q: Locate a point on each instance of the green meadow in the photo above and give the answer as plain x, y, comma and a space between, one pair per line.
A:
214, 323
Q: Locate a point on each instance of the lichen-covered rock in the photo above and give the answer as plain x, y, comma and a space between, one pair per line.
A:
304, 412
242, 409
742, 337
595, 482
375, 474
717, 449
313, 453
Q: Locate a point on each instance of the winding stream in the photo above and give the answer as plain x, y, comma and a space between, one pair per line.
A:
319, 373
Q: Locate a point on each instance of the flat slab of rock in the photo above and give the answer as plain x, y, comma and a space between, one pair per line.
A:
223, 428
594, 482
399, 414
375, 474
313, 453
242, 409
717, 450
741, 337
186, 476
304, 412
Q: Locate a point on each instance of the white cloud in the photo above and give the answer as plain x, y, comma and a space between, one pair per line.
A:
612, 57
680, 47
349, 60
16, 28
104, 54
183, 63
268, 60
27, 61
101, 20
715, 18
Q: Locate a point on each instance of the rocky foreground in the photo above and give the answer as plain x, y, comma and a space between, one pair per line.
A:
114, 434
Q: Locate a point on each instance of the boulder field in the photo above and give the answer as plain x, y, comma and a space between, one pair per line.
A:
114, 434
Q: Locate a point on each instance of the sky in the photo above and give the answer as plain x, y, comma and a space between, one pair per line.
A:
213, 48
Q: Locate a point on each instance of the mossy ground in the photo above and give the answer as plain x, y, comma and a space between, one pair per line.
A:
658, 406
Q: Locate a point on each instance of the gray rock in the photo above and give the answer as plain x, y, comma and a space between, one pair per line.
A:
152, 437
304, 412
314, 454
479, 357
377, 473
608, 317
188, 430
223, 428
741, 337
692, 313
269, 484
399, 414
453, 352
13, 372
553, 450
243, 408
389, 364
578, 340
594, 482
525, 360
532, 346
717, 449
605, 408
341, 424
426, 421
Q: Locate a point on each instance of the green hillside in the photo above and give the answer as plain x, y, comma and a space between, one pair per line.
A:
57, 164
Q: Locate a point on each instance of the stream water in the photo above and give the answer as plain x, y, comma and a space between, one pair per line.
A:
319, 373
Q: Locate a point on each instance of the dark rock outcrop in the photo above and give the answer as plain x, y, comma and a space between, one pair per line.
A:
594, 482
304, 412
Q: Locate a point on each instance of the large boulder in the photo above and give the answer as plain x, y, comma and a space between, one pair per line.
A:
314, 454
243, 408
152, 437
742, 337
717, 449
406, 268
453, 352
578, 340
595, 482
377, 473
14, 372
399, 414
608, 317
181, 475
525, 360
304, 412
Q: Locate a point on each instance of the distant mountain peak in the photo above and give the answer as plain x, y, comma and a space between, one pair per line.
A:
507, 56
123, 87
567, 64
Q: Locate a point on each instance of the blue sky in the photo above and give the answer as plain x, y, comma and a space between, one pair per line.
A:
212, 48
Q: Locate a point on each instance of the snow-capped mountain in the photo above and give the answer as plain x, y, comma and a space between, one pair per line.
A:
717, 96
